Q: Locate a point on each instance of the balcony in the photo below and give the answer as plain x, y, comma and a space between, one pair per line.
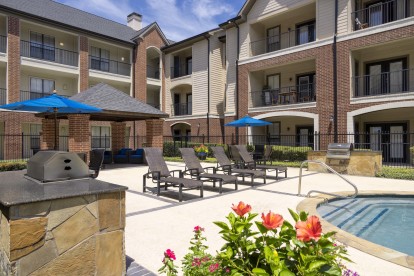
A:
110, 66
3, 96
374, 14
3, 44
181, 109
153, 72
181, 71
283, 96
384, 83
31, 95
48, 53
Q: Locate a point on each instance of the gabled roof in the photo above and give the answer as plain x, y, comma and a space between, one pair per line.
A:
116, 105
71, 17
145, 30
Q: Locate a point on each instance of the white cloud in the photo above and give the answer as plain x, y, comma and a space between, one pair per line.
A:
206, 9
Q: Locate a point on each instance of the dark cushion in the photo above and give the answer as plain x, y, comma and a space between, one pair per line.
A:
139, 152
123, 151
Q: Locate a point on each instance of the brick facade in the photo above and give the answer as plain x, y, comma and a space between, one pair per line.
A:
118, 135
13, 64
79, 133
83, 63
155, 136
47, 137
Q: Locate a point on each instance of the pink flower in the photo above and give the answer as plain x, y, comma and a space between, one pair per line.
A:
196, 262
198, 229
272, 220
311, 229
212, 268
169, 254
241, 209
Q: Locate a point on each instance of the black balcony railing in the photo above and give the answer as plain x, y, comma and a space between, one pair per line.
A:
48, 53
181, 71
31, 95
110, 66
3, 96
182, 109
380, 13
302, 35
384, 83
153, 72
3, 44
283, 96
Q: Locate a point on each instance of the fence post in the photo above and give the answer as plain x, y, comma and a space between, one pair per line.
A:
22, 145
379, 140
203, 138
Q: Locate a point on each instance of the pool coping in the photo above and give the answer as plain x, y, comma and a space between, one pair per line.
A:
309, 205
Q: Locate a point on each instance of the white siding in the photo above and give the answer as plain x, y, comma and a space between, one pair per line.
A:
216, 75
325, 18
200, 52
263, 7
167, 70
231, 49
244, 41
344, 16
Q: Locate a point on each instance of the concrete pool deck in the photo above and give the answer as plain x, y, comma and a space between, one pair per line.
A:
154, 224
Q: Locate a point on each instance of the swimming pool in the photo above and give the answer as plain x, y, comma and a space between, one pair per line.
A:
384, 220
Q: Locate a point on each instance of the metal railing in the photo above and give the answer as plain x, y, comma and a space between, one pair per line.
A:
48, 53
332, 171
302, 35
181, 71
384, 83
3, 96
283, 96
181, 109
110, 66
379, 13
153, 72
3, 44
31, 95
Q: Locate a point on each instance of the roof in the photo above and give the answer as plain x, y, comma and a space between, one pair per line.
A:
71, 17
116, 105
189, 41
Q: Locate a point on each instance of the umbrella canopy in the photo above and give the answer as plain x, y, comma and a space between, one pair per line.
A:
51, 104
247, 121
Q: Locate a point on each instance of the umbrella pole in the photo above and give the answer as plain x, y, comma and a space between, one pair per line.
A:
56, 130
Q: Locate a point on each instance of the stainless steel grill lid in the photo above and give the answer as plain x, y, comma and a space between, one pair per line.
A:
339, 151
48, 166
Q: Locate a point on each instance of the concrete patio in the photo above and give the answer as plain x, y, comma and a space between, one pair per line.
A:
154, 224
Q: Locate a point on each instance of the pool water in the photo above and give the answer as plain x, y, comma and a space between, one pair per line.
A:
388, 221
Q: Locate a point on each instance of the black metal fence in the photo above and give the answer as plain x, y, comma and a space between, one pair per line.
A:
110, 66
397, 148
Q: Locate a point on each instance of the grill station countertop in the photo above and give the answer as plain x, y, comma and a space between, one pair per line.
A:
15, 189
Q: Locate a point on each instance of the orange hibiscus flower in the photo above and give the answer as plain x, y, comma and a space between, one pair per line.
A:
272, 220
310, 229
241, 209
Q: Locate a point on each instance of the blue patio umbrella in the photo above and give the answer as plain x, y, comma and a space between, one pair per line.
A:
247, 121
52, 104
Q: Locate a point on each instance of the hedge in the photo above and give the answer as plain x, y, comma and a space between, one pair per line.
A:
12, 166
170, 149
286, 153
412, 155
396, 173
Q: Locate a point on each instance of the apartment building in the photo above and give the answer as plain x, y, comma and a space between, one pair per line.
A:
47, 46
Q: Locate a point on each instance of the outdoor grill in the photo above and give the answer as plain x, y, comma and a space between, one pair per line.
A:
49, 166
339, 151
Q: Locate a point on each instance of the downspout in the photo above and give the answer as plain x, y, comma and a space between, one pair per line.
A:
237, 79
134, 60
335, 75
208, 87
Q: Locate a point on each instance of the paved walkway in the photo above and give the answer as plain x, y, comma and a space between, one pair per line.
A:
154, 224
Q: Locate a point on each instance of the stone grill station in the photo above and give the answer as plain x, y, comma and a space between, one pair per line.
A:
57, 221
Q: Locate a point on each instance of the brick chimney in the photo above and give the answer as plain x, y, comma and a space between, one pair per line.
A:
135, 21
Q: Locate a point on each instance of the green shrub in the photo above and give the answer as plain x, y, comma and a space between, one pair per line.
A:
12, 166
170, 149
412, 155
286, 153
397, 173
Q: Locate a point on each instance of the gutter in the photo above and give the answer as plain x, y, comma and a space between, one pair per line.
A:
237, 79
335, 75
208, 87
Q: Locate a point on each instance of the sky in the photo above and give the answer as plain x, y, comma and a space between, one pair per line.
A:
178, 19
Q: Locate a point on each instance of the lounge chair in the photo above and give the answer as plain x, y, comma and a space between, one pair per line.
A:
224, 164
159, 172
194, 169
122, 156
253, 164
95, 163
259, 151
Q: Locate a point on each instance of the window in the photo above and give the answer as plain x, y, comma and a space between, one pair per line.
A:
40, 88
306, 87
381, 12
189, 65
304, 136
42, 46
273, 39
271, 94
305, 33
101, 137
274, 133
386, 77
99, 59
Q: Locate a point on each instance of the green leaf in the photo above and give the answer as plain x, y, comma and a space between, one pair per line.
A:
222, 225
286, 273
316, 265
259, 271
294, 215
261, 227
229, 252
303, 216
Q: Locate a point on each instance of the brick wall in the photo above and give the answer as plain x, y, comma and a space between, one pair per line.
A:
118, 135
79, 133
83, 63
13, 64
47, 137
155, 133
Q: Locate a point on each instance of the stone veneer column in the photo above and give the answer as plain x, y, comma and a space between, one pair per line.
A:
13, 63
118, 135
47, 137
155, 133
83, 63
79, 133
